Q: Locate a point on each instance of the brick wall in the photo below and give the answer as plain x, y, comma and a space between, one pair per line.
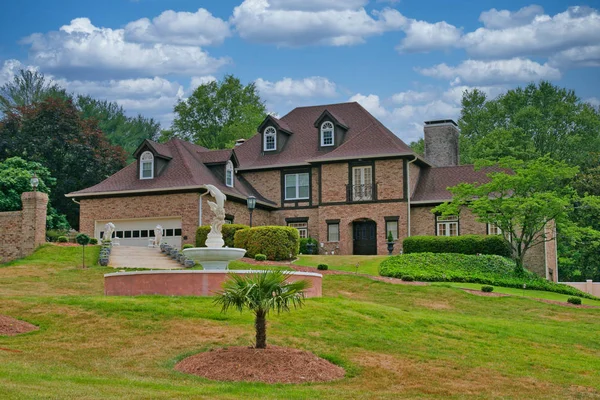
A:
389, 177
183, 205
334, 179
21, 232
268, 183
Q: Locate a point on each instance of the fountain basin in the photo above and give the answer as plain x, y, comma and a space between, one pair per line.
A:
214, 258
188, 283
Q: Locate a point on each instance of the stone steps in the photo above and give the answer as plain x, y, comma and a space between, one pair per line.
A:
141, 257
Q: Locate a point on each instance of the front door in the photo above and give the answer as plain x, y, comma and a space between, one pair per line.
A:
364, 235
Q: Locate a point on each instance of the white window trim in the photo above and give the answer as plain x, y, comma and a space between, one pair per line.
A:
338, 232
447, 222
301, 227
332, 134
394, 231
147, 161
271, 134
229, 169
297, 186
489, 229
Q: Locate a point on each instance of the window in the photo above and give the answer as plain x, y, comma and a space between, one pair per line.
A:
296, 186
327, 138
229, 174
362, 183
144, 233
302, 228
447, 226
333, 232
493, 229
391, 225
270, 139
147, 165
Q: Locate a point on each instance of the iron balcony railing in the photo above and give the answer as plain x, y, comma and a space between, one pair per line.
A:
356, 193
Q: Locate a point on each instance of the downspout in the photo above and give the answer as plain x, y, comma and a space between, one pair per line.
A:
409, 194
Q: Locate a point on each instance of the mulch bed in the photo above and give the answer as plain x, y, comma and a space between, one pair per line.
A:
11, 327
271, 365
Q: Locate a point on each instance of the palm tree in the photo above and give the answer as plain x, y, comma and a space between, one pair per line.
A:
262, 292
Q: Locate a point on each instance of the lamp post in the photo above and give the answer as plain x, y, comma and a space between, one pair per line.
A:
251, 203
34, 182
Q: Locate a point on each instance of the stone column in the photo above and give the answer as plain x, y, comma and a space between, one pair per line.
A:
35, 206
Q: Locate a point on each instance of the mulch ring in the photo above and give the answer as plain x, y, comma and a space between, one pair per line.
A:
486, 294
271, 365
11, 327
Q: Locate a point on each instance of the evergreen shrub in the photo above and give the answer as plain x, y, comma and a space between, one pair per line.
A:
467, 244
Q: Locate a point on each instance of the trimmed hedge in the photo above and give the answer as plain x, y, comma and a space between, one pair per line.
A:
486, 269
62, 239
467, 244
240, 239
276, 242
304, 242
228, 231
260, 257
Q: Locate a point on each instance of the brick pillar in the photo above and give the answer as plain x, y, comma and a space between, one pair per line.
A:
33, 224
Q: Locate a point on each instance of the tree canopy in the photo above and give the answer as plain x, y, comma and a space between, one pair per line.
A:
15, 179
74, 150
26, 88
519, 200
218, 113
527, 123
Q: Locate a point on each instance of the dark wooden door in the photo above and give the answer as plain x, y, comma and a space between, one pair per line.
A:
365, 238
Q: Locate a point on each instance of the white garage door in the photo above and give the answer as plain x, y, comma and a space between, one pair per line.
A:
138, 232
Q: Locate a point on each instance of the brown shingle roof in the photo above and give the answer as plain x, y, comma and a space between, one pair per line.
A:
216, 156
433, 182
365, 137
186, 169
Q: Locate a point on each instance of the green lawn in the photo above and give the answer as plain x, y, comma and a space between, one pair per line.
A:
395, 341
366, 264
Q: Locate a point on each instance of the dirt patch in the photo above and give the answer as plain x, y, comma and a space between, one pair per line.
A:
271, 365
565, 304
11, 327
485, 294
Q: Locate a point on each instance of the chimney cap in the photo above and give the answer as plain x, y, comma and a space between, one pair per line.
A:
239, 142
441, 122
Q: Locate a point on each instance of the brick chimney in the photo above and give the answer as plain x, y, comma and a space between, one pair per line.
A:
441, 143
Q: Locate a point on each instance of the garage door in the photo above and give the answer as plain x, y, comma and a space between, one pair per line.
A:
138, 232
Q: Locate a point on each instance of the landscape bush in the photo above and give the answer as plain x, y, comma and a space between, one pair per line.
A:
276, 242
323, 267
240, 239
408, 278
53, 234
467, 244
93, 241
62, 239
487, 288
485, 269
260, 257
304, 248
228, 231
187, 246
574, 300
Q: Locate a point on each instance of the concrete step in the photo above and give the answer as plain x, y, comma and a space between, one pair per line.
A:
141, 257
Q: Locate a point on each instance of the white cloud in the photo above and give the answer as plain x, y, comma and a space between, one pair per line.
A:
371, 103
317, 22
181, 28
586, 56
8, 70
143, 88
201, 80
424, 36
81, 49
544, 35
593, 101
411, 97
314, 86
500, 19
493, 72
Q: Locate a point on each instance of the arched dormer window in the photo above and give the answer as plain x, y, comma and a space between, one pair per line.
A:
327, 138
229, 174
270, 139
147, 165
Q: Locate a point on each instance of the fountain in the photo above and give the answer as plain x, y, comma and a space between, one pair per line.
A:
214, 256
214, 259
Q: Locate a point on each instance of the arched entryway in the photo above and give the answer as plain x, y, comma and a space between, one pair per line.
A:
364, 237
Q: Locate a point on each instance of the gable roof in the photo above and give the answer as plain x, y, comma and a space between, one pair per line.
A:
303, 146
218, 157
336, 120
160, 149
433, 182
281, 125
185, 170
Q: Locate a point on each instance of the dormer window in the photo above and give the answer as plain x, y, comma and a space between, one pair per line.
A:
229, 174
327, 138
147, 165
270, 139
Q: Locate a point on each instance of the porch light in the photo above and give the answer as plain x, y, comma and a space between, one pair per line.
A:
35, 182
251, 203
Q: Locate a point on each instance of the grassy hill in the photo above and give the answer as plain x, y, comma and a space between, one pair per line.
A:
395, 341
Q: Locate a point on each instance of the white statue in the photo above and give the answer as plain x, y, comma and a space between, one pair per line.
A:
109, 229
215, 237
158, 231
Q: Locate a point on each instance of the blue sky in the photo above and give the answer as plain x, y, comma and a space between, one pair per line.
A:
406, 61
